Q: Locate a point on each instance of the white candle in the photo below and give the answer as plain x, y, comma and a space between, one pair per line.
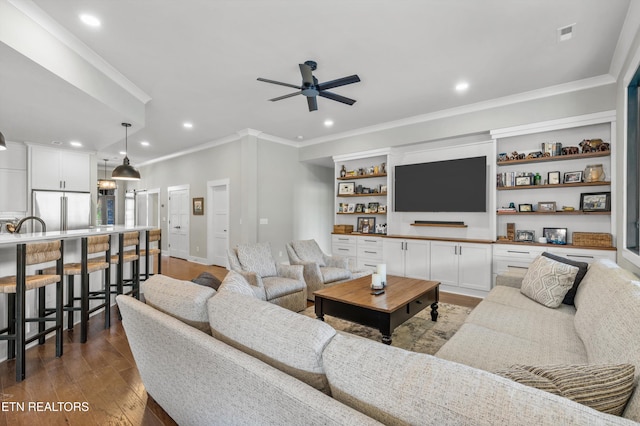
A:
376, 281
382, 271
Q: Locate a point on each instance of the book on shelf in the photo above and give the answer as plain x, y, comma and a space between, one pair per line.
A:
506, 209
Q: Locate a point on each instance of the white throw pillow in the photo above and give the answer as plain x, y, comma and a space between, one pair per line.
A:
548, 281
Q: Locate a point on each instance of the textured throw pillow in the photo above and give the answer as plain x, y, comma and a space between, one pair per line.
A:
208, 280
236, 283
257, 258
604, 387
309, 251
582, 271
548, 281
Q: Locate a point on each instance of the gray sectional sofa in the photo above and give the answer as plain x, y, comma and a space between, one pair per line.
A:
258, 363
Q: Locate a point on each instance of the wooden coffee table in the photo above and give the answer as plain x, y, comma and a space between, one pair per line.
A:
403, 298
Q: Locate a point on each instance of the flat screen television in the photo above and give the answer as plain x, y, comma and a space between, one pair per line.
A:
442, 186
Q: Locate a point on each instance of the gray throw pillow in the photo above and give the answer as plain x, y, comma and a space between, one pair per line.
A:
207, 280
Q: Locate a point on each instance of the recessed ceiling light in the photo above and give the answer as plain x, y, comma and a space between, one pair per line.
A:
462, 86
187, 125
328, 123
145, 143
90, 20
56, 143
300, 137
75, 143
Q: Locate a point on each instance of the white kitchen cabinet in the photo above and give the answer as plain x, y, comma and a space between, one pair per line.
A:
461, 265
13, 178
369, 252
407, 257
56, 169
344, 245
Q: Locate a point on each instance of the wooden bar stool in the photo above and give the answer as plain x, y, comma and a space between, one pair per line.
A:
152, 236
128, 239
88, 265
16, 288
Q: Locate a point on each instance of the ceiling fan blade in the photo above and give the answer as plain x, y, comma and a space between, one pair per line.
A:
307, 75
280, 83
313, 103
285, 96
338, 98
339, 82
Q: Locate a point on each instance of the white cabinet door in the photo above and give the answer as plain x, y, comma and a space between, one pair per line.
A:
393, 252
416, 261
13, 190
45, 169
444, 262
75, 171
474, 269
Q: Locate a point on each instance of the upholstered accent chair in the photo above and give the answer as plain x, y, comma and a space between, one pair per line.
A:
320, 270
280, 284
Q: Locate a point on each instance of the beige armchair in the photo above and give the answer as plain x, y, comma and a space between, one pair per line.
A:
279, 284
320, 270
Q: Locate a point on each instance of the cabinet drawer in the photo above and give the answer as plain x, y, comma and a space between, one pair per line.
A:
522, 252
344, 250
583, 255
370, 252
370, 242
343, 239
502, 265
367, 264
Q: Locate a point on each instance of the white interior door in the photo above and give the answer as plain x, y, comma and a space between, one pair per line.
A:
179, 222
218, 222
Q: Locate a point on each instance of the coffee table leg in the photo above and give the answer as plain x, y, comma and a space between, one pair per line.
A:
386, 339
434, 311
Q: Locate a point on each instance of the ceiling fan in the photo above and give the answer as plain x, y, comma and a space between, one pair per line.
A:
311, 88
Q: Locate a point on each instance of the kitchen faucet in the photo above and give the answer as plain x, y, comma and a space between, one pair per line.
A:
15, 228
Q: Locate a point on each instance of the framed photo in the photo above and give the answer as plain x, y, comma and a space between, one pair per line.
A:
523, 180
382, 209
351, 208
198, 206
547, 206
555, 235
595, 202
553, 178
359, 208
572, 177
373, 207
525, 236
383, 189
525, 207
367, 225
346, 188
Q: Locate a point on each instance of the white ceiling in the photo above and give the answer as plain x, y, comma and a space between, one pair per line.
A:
198, 60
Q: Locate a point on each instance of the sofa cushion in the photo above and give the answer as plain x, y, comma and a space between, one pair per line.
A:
605, 388
395, 386
330, 275
548, 281
257, 258
608, 308
309, 251
208, 280
582, 270
275, 287
287, 341
183, 300
236, 283
512, 297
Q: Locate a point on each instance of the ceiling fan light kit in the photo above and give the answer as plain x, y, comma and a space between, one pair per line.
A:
312, 89
126, 171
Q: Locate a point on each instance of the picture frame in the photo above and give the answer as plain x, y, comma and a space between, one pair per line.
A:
553, 178
525, 207
346, 188
366, 225
382, 209
359, 208
351, 208
525, 236
373, 207
198, 206
595, 202
547, 206
383, 189
555, 235
572, 177
523, 180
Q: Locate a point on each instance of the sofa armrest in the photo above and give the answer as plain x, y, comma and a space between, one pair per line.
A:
334, 261
256, 283
290, 271
510, 279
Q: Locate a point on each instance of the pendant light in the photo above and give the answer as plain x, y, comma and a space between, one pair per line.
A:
3, 144
126, 171
106, 183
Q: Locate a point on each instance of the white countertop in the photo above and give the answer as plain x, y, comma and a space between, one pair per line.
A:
7, 239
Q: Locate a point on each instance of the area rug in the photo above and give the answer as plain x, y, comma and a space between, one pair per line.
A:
418, 334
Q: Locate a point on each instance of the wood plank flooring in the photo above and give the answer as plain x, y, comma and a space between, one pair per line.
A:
99, 376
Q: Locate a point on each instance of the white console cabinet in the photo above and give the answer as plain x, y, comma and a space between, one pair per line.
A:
407, 258
465, 265
369, 252
60, 170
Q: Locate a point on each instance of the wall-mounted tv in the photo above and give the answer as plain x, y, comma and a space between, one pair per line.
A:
442, 186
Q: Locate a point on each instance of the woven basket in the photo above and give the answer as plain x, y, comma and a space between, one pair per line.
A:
592, 239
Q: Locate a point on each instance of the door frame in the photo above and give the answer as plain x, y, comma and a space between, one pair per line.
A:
210, 216
170, 189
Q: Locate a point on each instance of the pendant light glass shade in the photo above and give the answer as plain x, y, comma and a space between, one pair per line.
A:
3, 144
106, 183
126, 171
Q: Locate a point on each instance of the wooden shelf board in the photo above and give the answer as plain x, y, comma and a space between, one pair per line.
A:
553, 213
560, 185
439, 225
362, 176
555, 158
571, 246
360, 213
373, 194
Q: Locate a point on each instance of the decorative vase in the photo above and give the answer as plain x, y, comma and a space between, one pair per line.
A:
594, 173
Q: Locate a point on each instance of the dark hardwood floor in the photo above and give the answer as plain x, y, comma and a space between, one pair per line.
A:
99, 376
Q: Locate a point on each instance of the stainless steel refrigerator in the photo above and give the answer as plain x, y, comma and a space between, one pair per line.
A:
62, 211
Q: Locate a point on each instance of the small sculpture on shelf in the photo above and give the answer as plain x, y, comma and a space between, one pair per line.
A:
570, 150
593, 145
343, 171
